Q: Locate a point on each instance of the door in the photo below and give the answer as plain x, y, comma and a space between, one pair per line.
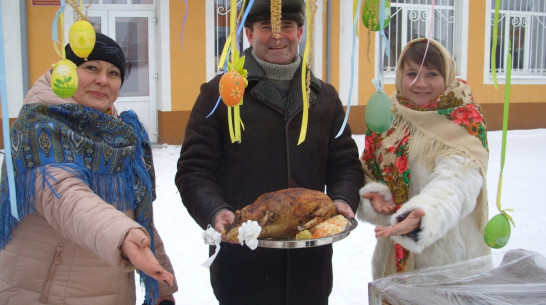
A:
134, 31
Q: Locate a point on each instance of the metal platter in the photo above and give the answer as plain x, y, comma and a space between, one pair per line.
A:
307, 243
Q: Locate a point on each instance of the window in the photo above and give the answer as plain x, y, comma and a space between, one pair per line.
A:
522, 31
411, 19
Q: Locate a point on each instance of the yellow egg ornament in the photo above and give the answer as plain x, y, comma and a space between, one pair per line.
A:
81, 37
64, 78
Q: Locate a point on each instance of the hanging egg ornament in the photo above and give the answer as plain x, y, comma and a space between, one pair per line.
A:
370, 14
232, 88
64, 78
378, 114
497, 231
81, 37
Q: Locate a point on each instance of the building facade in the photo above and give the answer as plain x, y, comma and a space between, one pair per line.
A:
172, 47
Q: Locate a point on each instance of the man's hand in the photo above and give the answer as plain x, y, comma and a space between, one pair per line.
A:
411, 223
222, 219
344, 209
379, 204
136, 248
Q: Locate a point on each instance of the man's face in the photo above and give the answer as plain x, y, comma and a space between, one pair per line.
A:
279, 50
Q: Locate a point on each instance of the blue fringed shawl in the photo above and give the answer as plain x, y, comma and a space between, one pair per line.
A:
106, 153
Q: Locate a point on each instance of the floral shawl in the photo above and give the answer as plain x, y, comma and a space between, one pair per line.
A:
111, 155
452, 124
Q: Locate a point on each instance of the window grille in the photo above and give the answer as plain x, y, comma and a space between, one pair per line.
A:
522, 31
410, 19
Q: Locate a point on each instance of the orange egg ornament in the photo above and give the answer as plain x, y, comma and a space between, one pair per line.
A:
232, 88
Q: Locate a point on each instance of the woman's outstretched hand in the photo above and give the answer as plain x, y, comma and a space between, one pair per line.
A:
136, 248
411, 223
379, 204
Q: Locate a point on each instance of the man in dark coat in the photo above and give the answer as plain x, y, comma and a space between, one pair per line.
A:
216, 177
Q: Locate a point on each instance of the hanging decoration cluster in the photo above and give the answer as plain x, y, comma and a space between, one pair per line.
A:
233, 83
497, 231
81, 36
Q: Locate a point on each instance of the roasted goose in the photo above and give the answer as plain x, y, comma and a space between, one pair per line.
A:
283, 213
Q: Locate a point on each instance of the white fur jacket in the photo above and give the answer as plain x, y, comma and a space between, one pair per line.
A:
449, 230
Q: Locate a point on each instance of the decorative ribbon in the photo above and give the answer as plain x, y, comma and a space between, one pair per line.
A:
58, 45
184, 24
494, 44
5, 125
356, 13
430, 30
506, 103
211, 237
383, 40
305, 94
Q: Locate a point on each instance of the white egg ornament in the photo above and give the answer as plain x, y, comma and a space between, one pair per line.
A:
81, 37
64, 78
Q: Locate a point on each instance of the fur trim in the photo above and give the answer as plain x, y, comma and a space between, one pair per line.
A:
451, 195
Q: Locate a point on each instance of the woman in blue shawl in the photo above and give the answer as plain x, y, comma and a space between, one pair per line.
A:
84, 189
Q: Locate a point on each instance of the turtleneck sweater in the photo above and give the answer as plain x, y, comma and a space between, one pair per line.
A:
279, 75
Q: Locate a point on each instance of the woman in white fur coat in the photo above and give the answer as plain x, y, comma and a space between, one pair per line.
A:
426, 188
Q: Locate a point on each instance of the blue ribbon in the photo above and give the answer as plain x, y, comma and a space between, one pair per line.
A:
242, 25
184, 25
5, 125
355, 23
54, 29
383, 44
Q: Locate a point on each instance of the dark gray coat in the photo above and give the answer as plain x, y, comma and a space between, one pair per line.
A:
215, 174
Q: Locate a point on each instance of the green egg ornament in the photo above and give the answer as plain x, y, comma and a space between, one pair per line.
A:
81, 37
64, 78
370, 14
378, 114
497, 231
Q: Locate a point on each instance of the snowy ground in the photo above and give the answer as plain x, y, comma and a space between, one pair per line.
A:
523, 189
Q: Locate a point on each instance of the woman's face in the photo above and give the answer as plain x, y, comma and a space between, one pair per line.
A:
428, 86
281, 50
98, 84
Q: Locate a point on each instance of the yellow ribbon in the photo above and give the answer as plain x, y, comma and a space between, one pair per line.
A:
305, 93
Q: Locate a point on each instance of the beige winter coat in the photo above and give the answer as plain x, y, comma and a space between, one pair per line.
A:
60, 254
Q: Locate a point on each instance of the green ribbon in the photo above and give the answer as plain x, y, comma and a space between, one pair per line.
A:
506, 104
